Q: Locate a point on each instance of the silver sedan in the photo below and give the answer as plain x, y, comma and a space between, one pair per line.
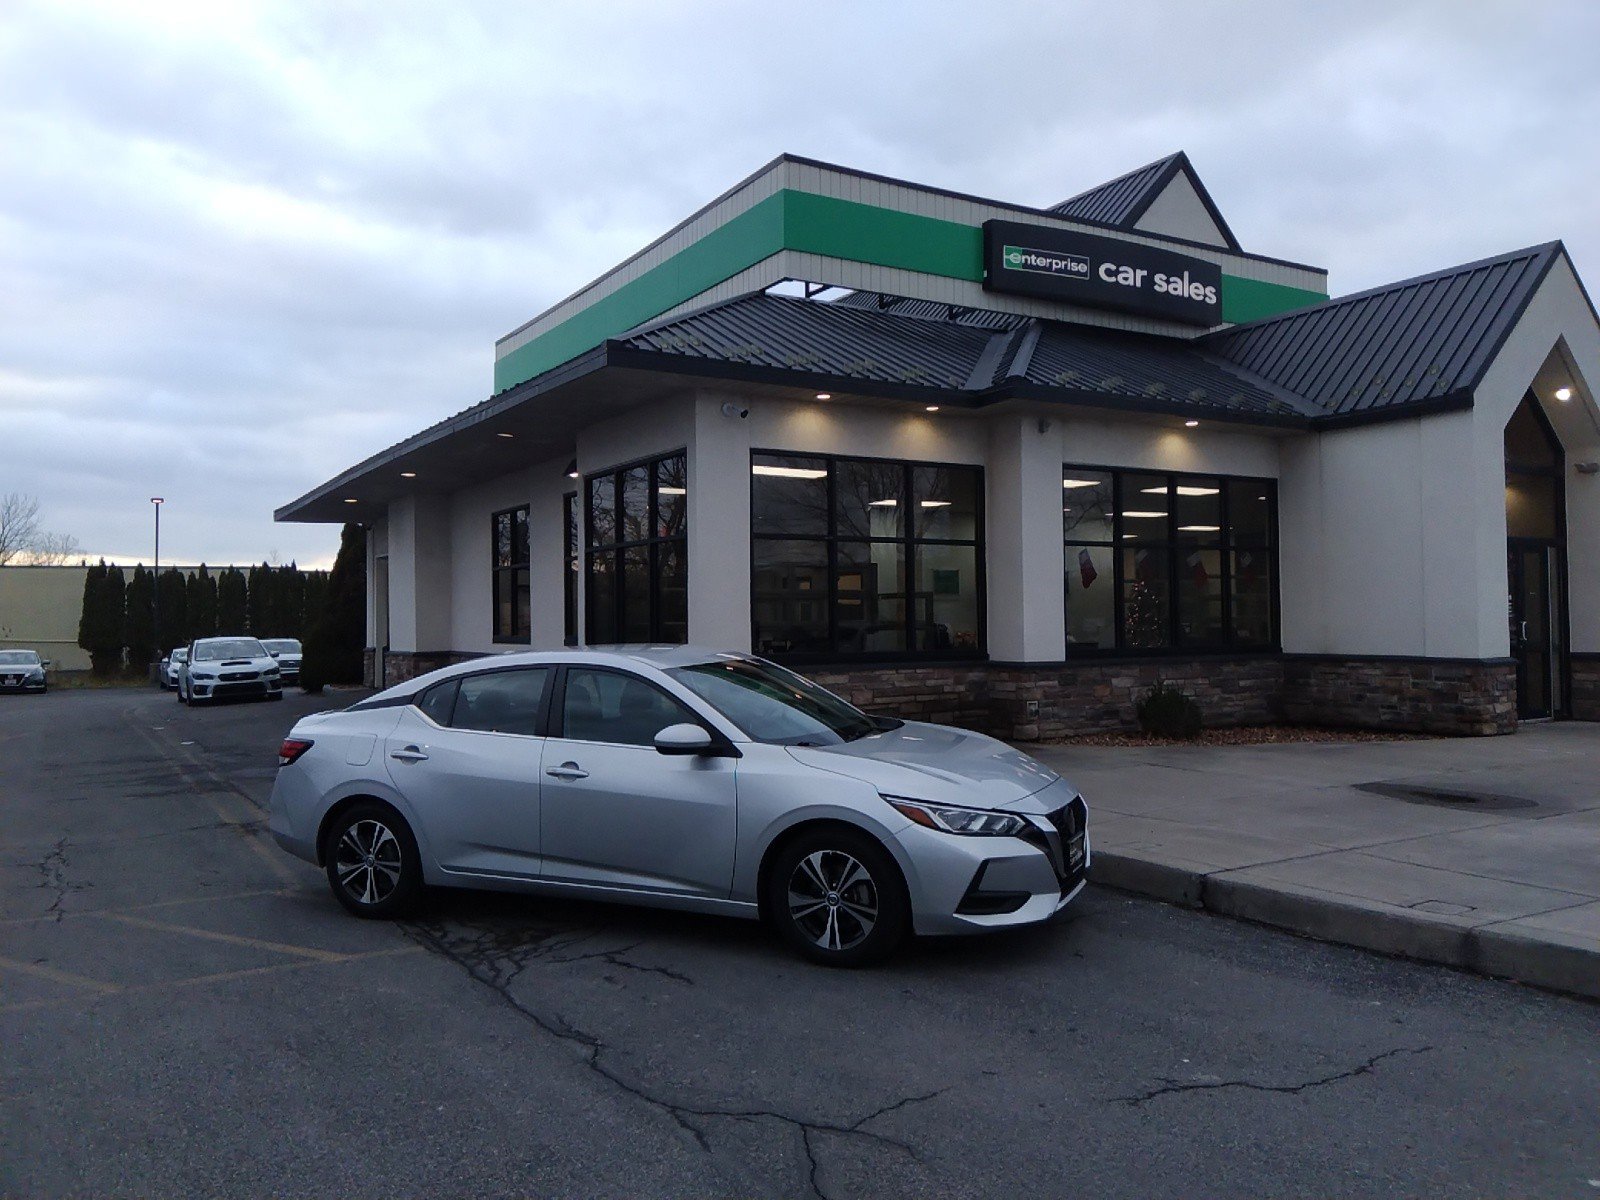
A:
679, 778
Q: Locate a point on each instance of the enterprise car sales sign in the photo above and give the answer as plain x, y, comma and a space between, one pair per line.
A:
1099, 272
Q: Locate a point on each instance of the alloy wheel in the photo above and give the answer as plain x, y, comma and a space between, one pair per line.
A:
368, 861
833, 899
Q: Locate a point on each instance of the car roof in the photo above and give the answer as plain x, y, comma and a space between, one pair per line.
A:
661, 657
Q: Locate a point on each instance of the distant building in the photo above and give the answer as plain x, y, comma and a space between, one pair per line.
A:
1008, 466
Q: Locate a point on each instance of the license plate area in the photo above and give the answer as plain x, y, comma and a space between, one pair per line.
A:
1075, 853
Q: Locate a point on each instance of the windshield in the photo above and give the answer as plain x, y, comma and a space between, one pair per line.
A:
228, 648
18, 658
282, 645
774, 705
181, 654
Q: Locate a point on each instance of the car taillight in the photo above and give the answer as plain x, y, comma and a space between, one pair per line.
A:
291, 750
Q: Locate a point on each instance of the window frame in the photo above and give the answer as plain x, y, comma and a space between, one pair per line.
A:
572, 565
907, 540
1175, 550
617, 549
497, 575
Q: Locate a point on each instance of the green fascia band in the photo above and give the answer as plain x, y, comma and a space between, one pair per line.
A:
821, 225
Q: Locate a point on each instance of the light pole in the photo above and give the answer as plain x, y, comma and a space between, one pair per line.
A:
155, 590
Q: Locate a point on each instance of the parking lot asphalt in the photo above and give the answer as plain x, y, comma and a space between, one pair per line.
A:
186, 1011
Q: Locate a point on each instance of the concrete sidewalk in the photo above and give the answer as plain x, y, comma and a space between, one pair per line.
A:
1481, 853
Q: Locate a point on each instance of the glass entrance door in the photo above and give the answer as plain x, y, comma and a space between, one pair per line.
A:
1532, 568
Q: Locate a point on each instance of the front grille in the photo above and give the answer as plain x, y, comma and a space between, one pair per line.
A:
238, 676
1069, 821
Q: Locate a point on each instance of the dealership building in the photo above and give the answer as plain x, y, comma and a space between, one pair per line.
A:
1007, 466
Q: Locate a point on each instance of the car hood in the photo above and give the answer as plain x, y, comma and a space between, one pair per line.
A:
939, 764
232, 664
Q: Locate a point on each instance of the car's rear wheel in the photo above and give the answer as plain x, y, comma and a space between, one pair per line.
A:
372, 862
837, 897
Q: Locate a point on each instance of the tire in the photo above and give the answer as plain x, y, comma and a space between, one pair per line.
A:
372, 862
838, 898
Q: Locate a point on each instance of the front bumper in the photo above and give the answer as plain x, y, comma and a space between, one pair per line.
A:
206, 689
20, 683
975, 884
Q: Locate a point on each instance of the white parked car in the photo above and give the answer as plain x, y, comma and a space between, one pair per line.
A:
221, 667
287, 651
167, 675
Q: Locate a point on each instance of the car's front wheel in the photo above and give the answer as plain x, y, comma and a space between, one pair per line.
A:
372, 862
837, 897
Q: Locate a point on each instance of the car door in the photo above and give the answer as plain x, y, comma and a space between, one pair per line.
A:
614, 810
467, 756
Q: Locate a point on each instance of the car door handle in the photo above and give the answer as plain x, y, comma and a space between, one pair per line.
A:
409, 754
568, 770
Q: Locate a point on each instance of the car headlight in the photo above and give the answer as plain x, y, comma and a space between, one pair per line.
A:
271, 672
36, 673
977, 822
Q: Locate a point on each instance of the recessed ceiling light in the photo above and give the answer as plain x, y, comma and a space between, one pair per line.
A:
1191, 422
1199, 528
1078, 483
351, 500
505, 435
572, 469
1563, 394
788, 472
824, 395
1144, 514
408, 474
932, 408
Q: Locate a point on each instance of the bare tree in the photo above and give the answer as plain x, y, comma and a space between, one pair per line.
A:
19, 525
53, 549
21, 539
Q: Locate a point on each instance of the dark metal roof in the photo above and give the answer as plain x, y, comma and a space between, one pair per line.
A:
859, 341
1123, 200
1421, 342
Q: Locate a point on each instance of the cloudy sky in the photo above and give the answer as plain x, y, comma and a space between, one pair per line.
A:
243, 246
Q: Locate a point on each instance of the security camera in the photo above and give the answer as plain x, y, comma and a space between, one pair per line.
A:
730, 409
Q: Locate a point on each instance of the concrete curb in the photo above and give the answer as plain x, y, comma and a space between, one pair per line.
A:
1487, 951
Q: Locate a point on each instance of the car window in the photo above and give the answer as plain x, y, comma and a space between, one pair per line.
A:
775, 705
608, 706
438, 700
501, 701
19, 658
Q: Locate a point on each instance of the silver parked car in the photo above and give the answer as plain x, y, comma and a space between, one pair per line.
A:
22, 671
288, 653
220, 667
167, 675
681, 778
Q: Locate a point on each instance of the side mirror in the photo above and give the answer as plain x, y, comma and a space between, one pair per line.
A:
45, 663
683, 739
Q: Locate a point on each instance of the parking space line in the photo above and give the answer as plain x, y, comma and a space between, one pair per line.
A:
54, 976
214, 936
201, 980
187, 765
136, 908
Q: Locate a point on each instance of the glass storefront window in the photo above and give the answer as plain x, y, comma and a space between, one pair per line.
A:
511, 617
865, 557
636, 585
1151, 572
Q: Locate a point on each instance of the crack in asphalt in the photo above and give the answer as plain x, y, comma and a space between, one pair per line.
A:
1173, 1087
53, 869
495, 958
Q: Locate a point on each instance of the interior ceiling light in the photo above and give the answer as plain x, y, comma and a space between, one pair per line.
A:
1191, 422
936, 504
505, 435
883, 503
1078, 483
1144, 514
788, 472
1563, 394
1199, 528
1182, 490
408, 474
351, 500
673, 491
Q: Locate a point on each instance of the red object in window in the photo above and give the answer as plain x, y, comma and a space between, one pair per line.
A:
1197, 566
1086, 569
